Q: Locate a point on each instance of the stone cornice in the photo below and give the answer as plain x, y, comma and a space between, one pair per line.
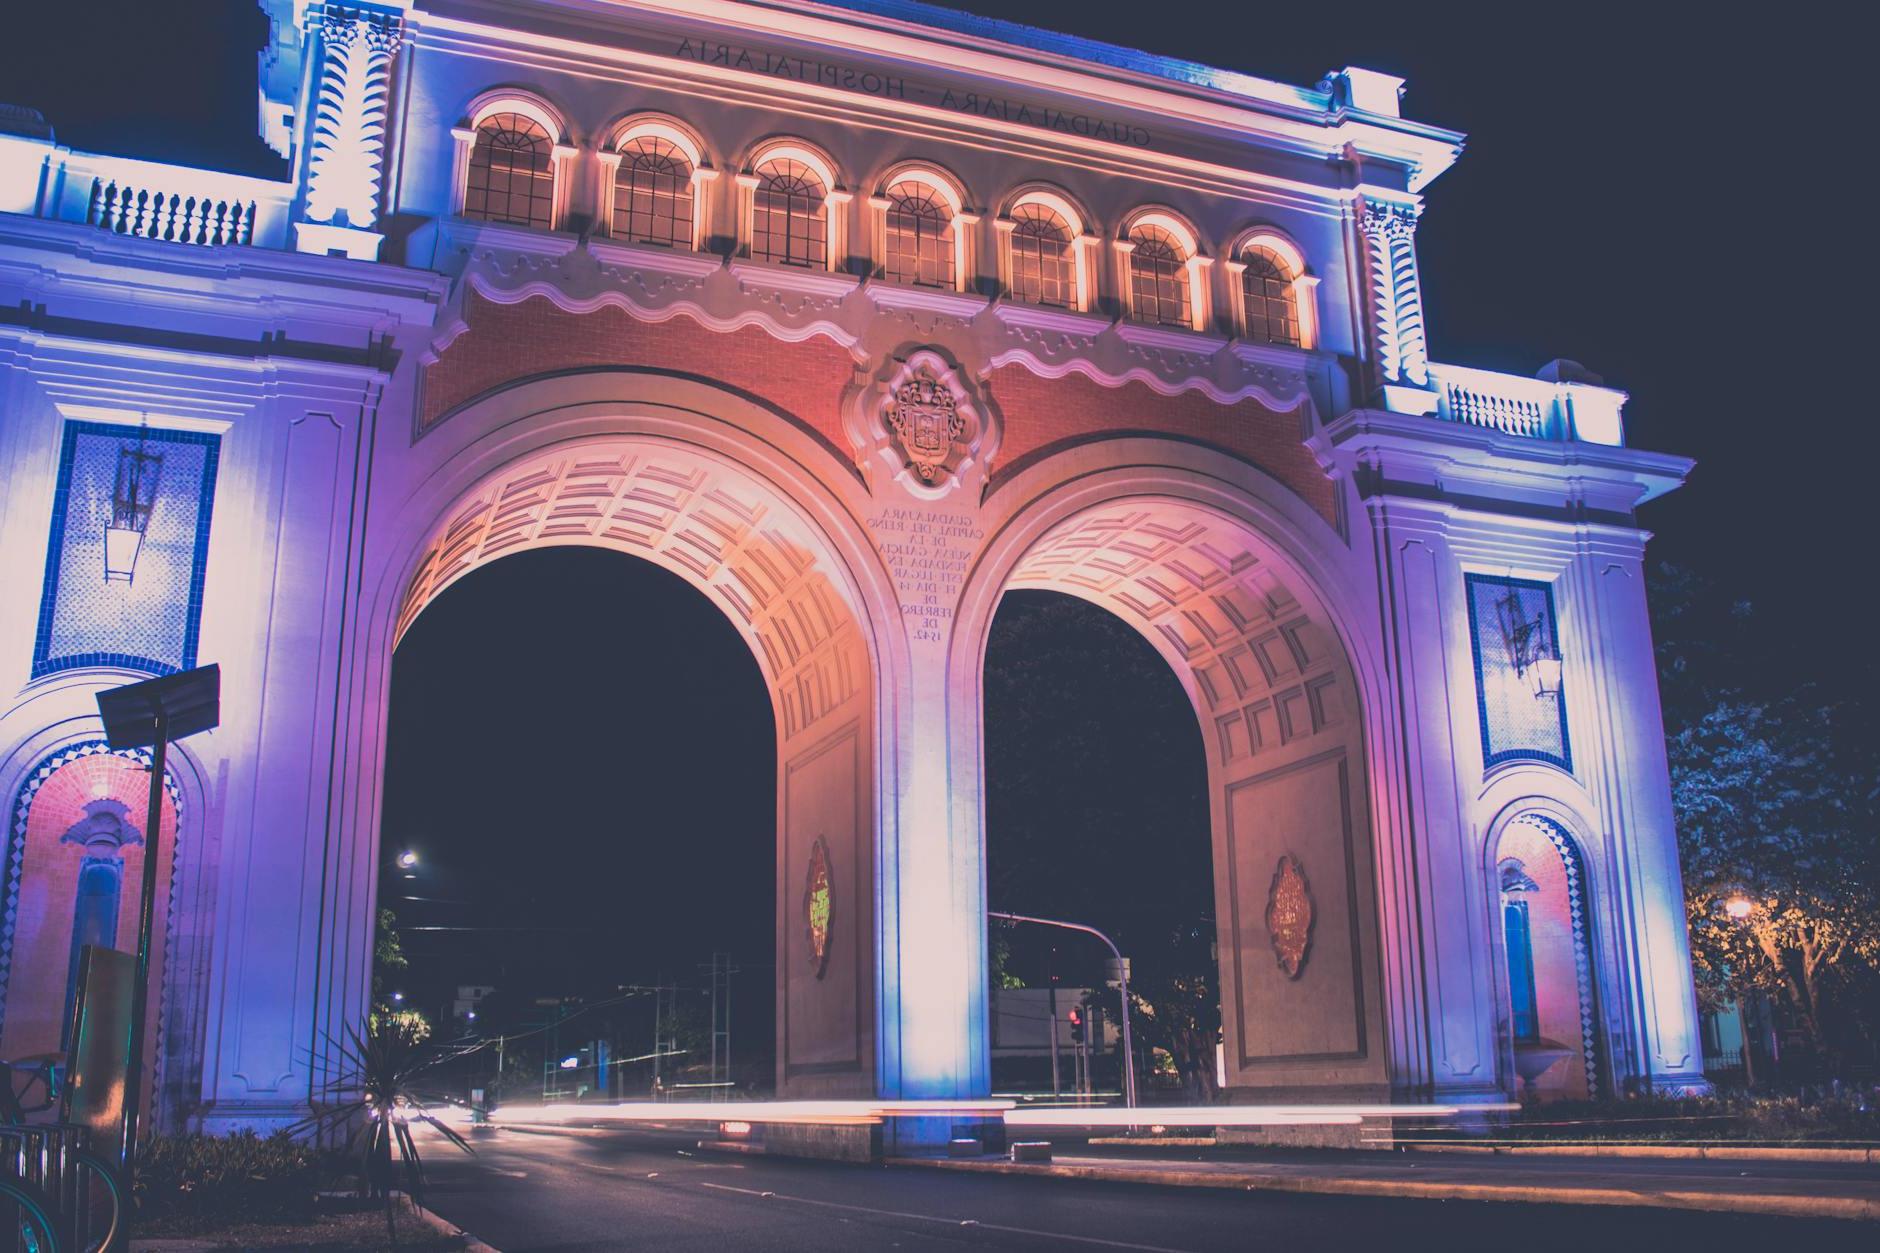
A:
40, 256
1406, 455
1220, 107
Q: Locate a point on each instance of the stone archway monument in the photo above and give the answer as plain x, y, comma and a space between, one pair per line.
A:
1170, 359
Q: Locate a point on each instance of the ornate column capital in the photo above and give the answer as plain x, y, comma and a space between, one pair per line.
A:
1388, 220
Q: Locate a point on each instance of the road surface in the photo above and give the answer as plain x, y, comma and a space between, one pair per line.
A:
642, 1189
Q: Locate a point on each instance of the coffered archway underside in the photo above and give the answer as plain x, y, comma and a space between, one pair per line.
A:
1264, 672
711, 522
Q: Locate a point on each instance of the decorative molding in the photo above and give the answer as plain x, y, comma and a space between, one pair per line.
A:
920, 424
875, 321
1289, 916
819, 905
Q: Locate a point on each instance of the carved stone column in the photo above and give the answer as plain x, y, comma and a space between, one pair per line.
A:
1400, 353
345, 144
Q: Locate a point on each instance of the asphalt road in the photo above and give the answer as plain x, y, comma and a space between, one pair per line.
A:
649, 1190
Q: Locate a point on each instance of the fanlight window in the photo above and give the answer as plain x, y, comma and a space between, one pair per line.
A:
1043, 269
1267, 287
653, 193
920, 236
512, 172
789, 214
1158, 276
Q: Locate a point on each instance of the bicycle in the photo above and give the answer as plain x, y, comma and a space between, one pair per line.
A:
48, 1184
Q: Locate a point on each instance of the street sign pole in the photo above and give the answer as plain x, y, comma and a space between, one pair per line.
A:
149, 715
1122, 970
146, 929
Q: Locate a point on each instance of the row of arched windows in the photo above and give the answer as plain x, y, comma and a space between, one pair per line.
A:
512, 166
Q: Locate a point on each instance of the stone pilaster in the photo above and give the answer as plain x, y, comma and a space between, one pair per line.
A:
350, 91
1399, 349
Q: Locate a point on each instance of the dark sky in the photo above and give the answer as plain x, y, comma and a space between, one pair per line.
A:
581, 752
1665, 192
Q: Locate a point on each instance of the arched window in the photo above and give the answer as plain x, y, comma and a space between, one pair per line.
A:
512, 172
919, 243
653, 193
790, 214
1158, 277
1270, 304
1044, 269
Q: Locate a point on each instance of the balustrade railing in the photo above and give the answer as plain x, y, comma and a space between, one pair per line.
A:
1533, 408
153, 213
142, 199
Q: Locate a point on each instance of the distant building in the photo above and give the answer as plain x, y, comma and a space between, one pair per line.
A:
463, 1010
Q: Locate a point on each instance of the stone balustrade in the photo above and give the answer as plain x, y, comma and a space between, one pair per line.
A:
1563, 403
147, 199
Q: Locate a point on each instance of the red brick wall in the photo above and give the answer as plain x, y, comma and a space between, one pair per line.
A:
507, 343
1044, 414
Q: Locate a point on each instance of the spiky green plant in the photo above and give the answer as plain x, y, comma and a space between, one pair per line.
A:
374, 1099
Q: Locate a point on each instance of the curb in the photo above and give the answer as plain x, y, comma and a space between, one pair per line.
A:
1785, 1205
444, 1227
1671, 1152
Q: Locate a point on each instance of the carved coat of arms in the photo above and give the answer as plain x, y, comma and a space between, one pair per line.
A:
818, 902
926, 421
1289, 915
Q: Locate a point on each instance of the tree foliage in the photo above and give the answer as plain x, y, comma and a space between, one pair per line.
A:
1770, 815
1775, 794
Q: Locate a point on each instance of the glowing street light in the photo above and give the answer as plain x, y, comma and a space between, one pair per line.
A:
1739, 907
407, 860
398, 998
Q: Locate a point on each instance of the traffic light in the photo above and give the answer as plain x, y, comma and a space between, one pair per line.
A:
1077, 1025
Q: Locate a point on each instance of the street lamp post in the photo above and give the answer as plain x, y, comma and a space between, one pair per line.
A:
149, 715
1122, 979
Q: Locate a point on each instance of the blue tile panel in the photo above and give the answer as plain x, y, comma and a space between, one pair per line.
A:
1516, 724
151, 623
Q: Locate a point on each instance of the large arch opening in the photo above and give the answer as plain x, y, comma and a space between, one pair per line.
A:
650, 484
1096, 812
1267, 677
579, 821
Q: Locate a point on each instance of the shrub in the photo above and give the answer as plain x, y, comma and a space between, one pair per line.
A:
1828, 1118
230, 1178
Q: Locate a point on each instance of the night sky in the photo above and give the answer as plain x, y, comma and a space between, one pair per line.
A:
1667, 194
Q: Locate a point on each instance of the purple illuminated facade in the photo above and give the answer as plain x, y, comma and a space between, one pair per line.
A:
854, 316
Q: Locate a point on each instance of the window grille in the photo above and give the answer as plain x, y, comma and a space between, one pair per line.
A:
512, 173
1158, 277
1043, 270
1516, 723
653, 193
1267, 286
789, 215
920, 237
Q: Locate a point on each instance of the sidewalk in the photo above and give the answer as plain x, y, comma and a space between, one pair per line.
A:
1851, 1193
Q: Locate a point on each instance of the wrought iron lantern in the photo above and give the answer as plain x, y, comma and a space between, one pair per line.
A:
1532, 650
133, 494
